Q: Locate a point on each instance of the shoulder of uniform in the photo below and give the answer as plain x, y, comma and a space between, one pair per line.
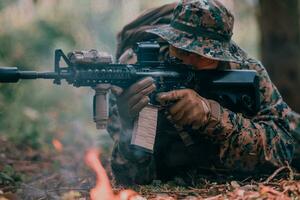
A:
249, 64
253, 62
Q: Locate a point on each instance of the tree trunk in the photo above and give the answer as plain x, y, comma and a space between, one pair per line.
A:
280, 46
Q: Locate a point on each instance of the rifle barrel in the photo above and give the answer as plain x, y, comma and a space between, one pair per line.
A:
36, 75
13, 75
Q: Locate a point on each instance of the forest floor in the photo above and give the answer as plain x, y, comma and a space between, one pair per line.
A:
61, 173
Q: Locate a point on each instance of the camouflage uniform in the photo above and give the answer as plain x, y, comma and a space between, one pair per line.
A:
238, 142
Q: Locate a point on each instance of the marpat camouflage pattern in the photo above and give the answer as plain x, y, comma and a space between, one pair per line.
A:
238, 143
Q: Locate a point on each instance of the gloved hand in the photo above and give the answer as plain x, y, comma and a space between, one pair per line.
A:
190, 108
132, 100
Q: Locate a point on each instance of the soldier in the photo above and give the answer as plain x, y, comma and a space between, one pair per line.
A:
199, 34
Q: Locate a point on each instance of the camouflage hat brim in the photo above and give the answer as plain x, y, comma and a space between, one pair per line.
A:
213, 49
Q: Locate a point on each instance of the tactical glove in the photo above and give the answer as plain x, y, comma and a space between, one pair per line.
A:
132, 100
190, 109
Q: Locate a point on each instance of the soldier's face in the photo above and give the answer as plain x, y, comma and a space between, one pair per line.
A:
197, 61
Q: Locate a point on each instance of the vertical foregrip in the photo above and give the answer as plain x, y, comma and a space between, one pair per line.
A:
100, 105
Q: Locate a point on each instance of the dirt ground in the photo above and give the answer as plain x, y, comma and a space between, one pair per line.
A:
61, 173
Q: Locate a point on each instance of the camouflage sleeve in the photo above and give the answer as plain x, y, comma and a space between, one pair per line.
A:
296, 134
129, 166
262, 140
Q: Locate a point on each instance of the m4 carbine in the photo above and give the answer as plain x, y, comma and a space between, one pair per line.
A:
234, 89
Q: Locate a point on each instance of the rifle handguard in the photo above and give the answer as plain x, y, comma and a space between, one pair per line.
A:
100, 102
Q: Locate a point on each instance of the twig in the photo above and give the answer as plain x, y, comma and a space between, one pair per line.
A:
296, 175
246, 179
275, 173
272, 184
214, 197
44, 178
291, 175
69, 189
43, 194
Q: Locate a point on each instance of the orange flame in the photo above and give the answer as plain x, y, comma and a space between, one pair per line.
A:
57, 145
103, 189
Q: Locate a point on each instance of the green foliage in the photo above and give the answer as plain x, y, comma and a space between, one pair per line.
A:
4, 3
27, 108
24, 47
8, 176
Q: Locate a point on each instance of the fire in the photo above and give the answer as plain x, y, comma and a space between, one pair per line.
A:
103, 189
57, 145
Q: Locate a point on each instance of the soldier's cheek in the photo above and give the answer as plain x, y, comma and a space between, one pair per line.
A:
205, 64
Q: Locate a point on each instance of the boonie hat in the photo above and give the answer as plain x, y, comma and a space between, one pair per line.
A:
203, 27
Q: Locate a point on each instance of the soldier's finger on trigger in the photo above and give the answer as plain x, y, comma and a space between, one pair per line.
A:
172, 95
158, 97
184, 113
140, 105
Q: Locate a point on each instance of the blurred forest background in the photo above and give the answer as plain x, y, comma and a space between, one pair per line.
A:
35, 112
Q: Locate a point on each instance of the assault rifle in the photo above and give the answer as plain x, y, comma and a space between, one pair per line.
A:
234, 89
